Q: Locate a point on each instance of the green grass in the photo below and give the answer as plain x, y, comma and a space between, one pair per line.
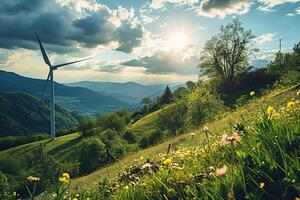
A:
247, 114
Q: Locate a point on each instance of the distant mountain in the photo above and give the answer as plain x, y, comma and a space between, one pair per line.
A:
130, 92
81, 100
21, 114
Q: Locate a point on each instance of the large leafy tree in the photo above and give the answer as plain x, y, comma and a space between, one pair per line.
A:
226, 54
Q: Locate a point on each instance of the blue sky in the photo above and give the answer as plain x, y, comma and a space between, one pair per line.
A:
154, 41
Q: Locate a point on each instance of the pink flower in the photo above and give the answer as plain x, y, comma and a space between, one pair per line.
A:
221, 171
234, 138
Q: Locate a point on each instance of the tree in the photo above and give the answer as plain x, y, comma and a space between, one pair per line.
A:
180, 92
166, 98
227, 54
112, 121
86, 124
173, 117
191, 85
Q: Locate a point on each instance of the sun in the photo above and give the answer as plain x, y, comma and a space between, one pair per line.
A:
177, 41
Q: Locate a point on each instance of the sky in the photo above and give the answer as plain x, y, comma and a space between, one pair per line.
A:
146, 41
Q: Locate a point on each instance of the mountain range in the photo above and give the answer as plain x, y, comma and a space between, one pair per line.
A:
78, 99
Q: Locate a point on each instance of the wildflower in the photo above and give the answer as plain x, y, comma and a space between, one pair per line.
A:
234, 138
66, 175
65, 178
192, 134
261, 184
221, 171
126, 187
290, 104
33, 179
75, 198
297, 198
252, 93
167, 162
298, 93
272, 112
205, 129
146, 165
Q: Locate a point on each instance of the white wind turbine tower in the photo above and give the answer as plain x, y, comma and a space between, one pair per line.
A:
50, 76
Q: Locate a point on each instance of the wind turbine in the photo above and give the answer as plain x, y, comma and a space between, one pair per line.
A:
52, 68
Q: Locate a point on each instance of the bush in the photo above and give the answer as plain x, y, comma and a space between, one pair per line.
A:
144, 142
92, 155
151, 137
203, 106
86, 124
112, 121
129, 137
92, 132
173, 117
290, 78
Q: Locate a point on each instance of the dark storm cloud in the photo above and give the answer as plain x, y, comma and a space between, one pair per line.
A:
62, 27
165, 62
222, 8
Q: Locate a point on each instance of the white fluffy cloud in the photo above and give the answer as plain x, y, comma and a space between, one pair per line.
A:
268, 5
216, 8
160, 4
267, 37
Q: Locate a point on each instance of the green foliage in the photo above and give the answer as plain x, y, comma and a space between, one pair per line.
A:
130, 137
180, 93
290, 78
23, 114
4, 186
203, 106
242, 100
86, 124
151, 137
112, 121
227, 54
92, 132
92, 155
173, 117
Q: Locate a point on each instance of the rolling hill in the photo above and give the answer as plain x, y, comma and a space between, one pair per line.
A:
130, 92
81, 100
65, 147
22, 114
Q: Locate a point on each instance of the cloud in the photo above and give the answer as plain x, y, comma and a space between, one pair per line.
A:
161, 4
268, 5
217, 8
267, 37
297, 12
67, 25
163, 62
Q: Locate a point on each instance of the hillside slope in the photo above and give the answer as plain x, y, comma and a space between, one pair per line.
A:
246, 114
81, 100
21, 114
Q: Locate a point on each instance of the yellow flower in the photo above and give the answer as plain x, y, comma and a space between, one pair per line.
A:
298, 93
261, 184
297, 198
33, 179
167, 162
252, 93
64, 180
75, 198
67, 175
290, 104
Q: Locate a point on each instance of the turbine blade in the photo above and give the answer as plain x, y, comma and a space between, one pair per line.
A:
45, 86
69, 63
46, 59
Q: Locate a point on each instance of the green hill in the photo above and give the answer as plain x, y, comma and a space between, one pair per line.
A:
22, 114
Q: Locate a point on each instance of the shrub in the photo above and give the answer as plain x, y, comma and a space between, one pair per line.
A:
4, 186
86, 124
290, 78
144, 142
92, 132
112, 121
129, 137
92, 155
173, 117
203, 106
